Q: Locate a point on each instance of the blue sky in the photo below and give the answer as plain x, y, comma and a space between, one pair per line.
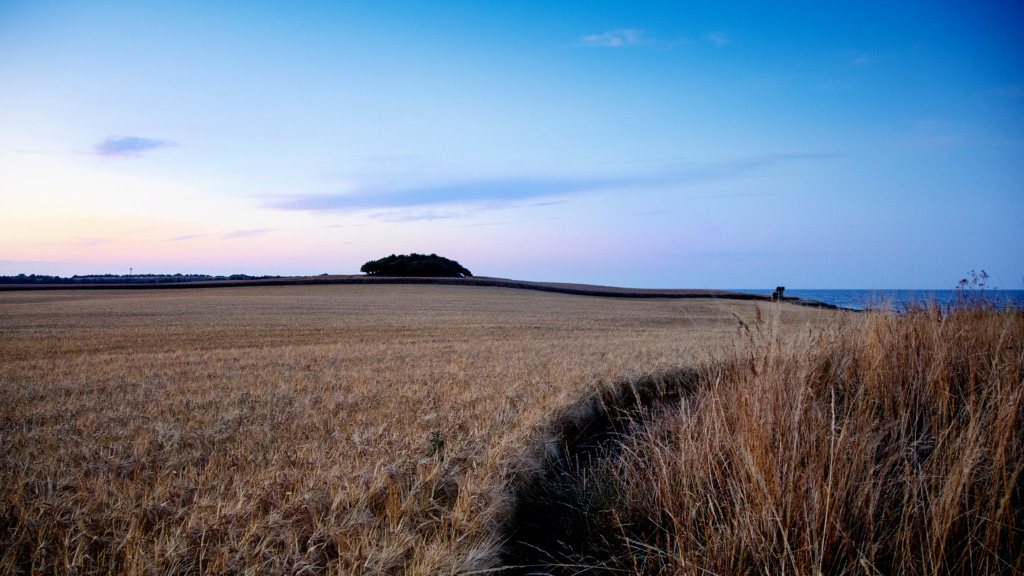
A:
653, 144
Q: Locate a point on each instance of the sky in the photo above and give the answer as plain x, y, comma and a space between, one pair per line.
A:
675, 144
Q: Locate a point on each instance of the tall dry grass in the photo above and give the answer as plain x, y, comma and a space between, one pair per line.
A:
292, 429
884, 444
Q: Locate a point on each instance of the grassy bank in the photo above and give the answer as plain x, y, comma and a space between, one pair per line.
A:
884, 444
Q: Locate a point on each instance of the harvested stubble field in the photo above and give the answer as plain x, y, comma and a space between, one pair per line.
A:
307, 429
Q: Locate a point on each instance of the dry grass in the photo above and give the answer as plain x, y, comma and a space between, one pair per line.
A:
287, 429
885, 444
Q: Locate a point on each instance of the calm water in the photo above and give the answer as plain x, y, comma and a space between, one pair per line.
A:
898, 299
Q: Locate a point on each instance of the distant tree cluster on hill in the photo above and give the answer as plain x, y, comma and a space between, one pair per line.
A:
415, 265
122, 278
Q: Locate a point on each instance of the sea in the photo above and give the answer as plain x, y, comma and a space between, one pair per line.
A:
897, 299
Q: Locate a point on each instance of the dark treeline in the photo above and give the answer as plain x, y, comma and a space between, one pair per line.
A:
421, 265
122, 278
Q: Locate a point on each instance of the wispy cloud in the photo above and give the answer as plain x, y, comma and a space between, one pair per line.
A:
128, 146
417, 215
421, 202
248, 233
187, 237
614, 38
929, 142
483, 224
1008, 91
548, 203
94, 241
502, 190
624, 37
718, 38
929, 134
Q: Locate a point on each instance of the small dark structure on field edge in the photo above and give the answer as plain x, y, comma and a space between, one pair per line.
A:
777, 295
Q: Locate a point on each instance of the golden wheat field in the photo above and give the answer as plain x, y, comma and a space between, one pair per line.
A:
306, 429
